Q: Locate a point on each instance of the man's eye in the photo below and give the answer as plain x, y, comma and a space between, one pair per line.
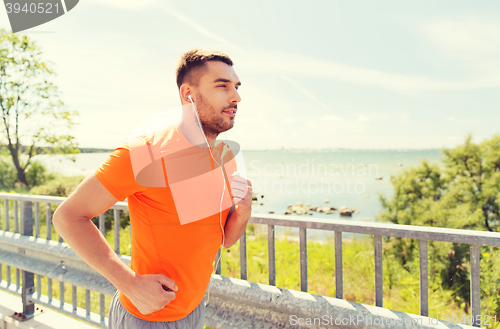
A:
223, 86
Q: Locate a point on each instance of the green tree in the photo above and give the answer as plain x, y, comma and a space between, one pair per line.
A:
32, 112
463, 192
474, 174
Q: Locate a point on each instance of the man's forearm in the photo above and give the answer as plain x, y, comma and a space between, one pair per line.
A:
88, 243
234, 228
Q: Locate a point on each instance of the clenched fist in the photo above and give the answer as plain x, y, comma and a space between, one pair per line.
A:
151, 292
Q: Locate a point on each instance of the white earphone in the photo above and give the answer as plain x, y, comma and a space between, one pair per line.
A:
222, 197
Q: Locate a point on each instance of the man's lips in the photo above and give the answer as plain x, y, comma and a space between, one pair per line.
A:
230, 112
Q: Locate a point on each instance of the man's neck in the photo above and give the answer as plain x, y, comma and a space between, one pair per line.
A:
193, 133
190, 128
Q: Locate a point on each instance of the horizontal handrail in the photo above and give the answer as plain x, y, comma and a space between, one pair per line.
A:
471, 237
57, 261
481, 238
120, 205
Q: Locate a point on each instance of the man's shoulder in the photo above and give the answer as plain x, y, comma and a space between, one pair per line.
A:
155, 137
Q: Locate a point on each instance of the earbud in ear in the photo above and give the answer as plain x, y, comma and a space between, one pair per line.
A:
191, 99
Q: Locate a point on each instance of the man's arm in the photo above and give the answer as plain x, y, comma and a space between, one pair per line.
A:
72, 219
236, 224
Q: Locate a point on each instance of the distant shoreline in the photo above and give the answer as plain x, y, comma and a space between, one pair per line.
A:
43, 150
347, 150
95, 150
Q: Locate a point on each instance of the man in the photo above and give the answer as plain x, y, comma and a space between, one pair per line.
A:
171, 260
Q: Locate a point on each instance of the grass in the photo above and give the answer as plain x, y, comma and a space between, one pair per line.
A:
401, 287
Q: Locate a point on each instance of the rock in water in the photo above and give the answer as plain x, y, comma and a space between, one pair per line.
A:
344, 211
327, 210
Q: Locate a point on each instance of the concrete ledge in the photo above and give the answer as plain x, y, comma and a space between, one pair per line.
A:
235, 303
240, 304
42, 320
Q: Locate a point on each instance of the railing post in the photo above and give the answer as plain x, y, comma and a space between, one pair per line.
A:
74, 295
16, 218
7, 219
102, 308
48, 220
102, 224
116, 224
243, 256
87, 303
377, 239
7, 228
424, 278
475, 289
218, 261
339, 290
37, 219
271, 255
28, 278
303, 259
16, 230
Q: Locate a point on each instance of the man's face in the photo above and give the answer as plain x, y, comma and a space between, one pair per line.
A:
216, 97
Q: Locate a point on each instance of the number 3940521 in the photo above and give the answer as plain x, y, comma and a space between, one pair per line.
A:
40, 8
484, 320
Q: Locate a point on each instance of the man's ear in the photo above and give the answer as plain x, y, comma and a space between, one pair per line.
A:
184, 92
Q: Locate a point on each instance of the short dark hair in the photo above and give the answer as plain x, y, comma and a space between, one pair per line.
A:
194, 60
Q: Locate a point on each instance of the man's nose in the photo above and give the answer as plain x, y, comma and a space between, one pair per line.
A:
235, 96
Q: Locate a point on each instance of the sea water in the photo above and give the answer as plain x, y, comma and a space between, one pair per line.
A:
351, 178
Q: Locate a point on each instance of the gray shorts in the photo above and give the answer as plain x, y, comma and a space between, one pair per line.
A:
120, 318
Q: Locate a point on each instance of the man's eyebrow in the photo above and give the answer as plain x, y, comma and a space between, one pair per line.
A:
226, 81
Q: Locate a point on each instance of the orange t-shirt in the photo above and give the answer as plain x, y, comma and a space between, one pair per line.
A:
175, 230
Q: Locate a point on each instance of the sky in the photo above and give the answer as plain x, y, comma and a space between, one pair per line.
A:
315, 74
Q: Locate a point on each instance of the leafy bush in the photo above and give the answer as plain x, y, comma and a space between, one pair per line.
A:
36, 174
65, 185
8, 173
59, 186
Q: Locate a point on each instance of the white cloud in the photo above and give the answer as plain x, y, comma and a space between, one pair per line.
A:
404, 118
198, 27
125, 4
331, 118
289, 120
465, 39
312, 124
304, 92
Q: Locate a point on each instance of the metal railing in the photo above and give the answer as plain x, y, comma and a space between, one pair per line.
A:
474, 239
89, 279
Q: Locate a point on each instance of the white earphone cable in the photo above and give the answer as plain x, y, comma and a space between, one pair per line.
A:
222, 196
